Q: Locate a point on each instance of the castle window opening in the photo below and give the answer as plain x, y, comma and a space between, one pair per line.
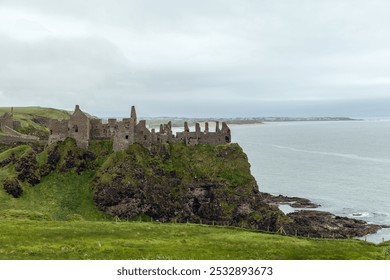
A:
51, 132
127, 137
145, 137
76, 128
227, 139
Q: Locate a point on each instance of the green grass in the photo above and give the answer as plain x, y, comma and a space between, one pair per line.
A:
22, 112
26, 116
60, 196
26, 239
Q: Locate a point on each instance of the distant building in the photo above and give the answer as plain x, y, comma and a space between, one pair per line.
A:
9, 134
7, 121
129, 131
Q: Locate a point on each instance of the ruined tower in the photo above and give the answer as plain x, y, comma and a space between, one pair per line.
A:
79, 127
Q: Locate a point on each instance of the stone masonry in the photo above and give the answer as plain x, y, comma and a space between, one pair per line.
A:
129, 131
9, 134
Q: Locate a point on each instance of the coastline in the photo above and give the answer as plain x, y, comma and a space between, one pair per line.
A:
319, 224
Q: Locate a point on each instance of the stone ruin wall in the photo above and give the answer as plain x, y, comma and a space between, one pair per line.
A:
6, 121
8, 126
79, 127
58, 130
128, 131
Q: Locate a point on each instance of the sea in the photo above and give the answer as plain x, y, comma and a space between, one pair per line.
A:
342, 165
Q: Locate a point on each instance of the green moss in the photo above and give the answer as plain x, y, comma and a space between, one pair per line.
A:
101, 148
17, 151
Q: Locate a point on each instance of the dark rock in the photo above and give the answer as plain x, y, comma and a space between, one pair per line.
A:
10, 159
27, 168
54, 156
12, 187
295, 202
324, 224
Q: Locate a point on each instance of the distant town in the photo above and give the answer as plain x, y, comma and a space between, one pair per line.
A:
178, 121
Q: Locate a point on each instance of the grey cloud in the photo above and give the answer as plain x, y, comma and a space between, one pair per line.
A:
170, 55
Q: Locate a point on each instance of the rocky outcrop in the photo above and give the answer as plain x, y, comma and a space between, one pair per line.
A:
8, 160
326, 225
295, 202
67, 157
28, 169
319, 224
12, 187
211, 185
200, 184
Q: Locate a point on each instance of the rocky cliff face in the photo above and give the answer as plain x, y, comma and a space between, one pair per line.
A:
199, 184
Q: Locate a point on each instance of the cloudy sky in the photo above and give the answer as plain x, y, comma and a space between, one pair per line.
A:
197, 58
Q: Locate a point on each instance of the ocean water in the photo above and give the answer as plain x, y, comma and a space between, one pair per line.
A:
343, 166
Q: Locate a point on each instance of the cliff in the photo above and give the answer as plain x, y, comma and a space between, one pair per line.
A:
170, 182
173, 182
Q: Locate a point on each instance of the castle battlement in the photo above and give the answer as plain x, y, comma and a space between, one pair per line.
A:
129, 131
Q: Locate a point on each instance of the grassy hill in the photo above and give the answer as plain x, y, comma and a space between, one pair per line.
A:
33, 120
61, 195
21, 113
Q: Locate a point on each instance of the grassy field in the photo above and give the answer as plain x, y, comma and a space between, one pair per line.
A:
27, 239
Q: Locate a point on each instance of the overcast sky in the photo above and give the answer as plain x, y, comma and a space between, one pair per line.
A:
197, 58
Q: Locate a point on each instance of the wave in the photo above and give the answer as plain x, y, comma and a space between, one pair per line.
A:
348, 156
381, 214
360, 215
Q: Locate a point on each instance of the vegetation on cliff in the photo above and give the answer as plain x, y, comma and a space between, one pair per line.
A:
174, 182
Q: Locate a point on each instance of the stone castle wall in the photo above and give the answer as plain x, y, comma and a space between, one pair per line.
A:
8, 126
6, 121
13, 133
128, 131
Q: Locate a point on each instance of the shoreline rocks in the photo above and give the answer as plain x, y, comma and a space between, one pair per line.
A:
320, 224
295, 202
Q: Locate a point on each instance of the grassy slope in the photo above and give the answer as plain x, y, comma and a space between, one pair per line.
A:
26, 115
28, 112
59, 196
122, 240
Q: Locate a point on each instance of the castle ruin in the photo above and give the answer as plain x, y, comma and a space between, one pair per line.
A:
129, 131
8, 131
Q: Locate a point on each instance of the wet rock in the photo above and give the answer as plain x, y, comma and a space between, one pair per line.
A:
327, 225
295, 202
